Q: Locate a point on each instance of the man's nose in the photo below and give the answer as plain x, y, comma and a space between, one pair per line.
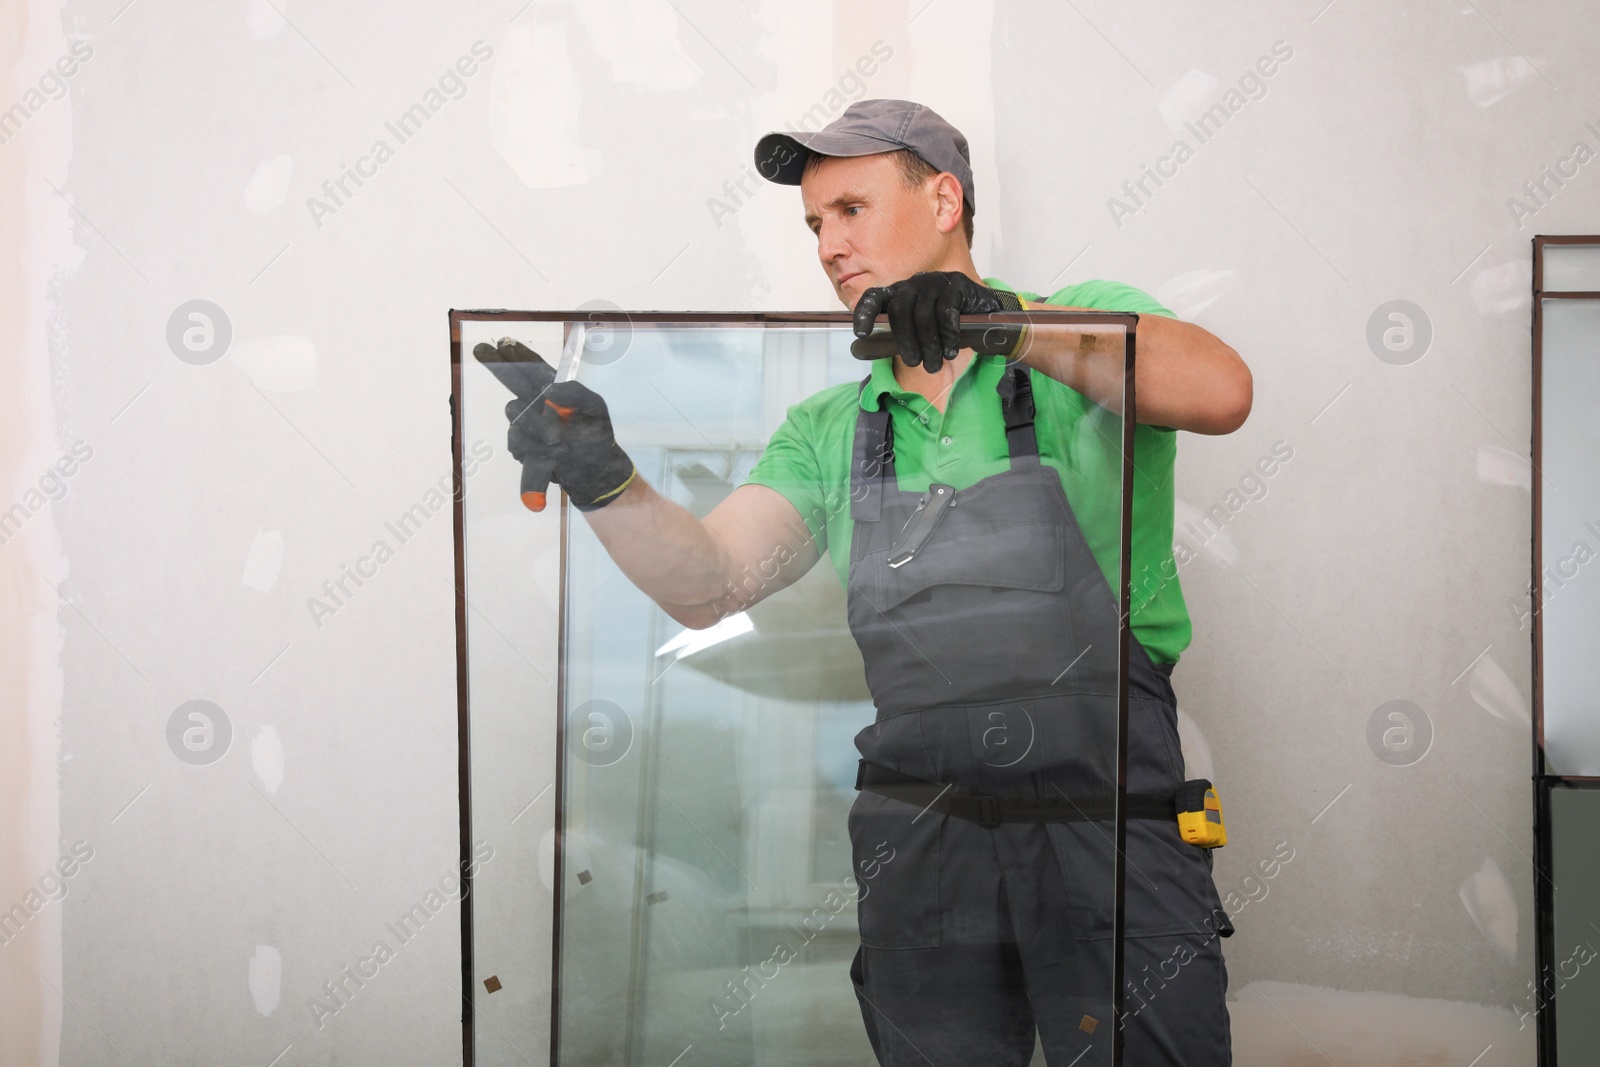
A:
830, 244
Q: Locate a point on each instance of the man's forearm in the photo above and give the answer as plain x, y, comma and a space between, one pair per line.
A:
662, 548
1185, 377
700, 571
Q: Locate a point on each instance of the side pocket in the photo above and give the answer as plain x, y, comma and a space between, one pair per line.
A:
1168, 889
894, 849
1218, 919
1086, 855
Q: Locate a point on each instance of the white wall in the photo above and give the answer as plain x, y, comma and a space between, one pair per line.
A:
1379, 163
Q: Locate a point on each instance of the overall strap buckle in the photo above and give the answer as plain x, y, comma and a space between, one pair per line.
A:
1016, 404
988, 811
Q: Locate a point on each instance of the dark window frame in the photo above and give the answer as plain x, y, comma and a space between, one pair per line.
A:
1544, 784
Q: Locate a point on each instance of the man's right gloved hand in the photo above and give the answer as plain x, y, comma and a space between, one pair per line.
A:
560, 431
925, 316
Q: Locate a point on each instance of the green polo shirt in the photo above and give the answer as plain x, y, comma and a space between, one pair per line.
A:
808, 461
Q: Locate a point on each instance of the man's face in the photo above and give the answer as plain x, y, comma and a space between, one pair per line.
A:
871, 230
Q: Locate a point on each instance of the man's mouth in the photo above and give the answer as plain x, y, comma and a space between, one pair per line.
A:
846, 277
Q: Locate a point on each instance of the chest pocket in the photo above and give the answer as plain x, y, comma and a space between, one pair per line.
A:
1019, 557
1002, 534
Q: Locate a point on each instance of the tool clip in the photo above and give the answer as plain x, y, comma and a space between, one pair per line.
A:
931, 509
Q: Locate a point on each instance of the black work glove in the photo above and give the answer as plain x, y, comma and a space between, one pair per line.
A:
925, 317
560, 431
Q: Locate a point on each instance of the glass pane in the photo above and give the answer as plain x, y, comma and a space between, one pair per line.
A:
1572, 268
1570, 396
1571, 980
717, 871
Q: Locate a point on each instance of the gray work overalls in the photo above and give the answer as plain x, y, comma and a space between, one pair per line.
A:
991, 656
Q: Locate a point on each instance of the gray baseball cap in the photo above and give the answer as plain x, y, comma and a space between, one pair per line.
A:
866, 128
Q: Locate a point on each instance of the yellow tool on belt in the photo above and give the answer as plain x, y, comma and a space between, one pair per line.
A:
1200, 814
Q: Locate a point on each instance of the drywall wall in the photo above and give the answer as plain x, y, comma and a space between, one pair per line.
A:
320, 184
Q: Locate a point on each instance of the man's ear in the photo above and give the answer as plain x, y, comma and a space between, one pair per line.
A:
947, 202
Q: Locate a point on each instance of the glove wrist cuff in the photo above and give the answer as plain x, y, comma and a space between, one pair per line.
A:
607, 486
1019, 342
1008, 301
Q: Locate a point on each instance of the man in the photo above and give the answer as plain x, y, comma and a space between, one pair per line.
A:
970, 503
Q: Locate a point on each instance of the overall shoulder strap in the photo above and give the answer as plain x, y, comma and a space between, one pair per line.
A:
871, 459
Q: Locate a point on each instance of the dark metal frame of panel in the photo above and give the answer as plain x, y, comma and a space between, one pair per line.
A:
1040, 315
1545, 784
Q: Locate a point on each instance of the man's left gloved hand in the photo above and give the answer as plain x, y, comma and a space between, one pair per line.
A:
925, 316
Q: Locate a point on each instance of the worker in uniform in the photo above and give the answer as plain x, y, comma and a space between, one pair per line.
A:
971, 505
